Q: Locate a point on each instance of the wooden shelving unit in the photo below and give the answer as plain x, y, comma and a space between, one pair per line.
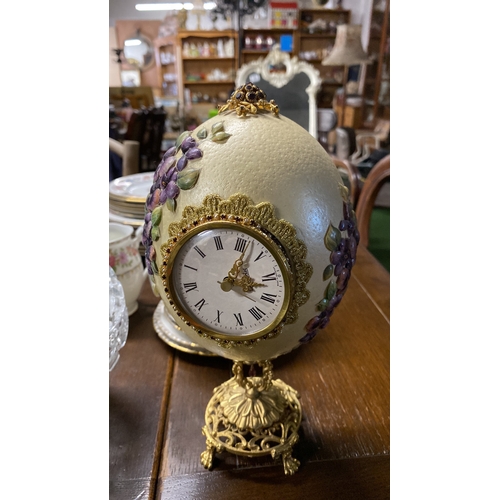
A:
167, 57
308, 45
315, 43
377, 82
269, 38
208, 65
207, 76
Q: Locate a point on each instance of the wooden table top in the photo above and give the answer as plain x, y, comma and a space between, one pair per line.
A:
158, 397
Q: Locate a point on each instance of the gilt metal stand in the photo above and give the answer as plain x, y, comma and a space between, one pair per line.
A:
253, 417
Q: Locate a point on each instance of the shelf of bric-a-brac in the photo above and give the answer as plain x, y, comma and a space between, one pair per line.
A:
167, 55
257, 43
312, 40
377, 81
208, 65
316, 38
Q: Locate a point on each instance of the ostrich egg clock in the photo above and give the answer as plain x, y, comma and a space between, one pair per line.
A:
249, 233
250, 240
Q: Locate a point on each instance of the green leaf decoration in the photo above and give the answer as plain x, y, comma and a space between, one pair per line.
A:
332, 238
154, 267
179, 140
156, 216
327, 273
217, 127
202, 134
187, 178
331, 289
155, 233
220, 136
170, 203
321, 306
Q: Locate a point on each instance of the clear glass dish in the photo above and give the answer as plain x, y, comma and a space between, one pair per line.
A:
118, 319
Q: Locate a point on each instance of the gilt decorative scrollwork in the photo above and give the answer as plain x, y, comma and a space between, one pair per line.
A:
253, 416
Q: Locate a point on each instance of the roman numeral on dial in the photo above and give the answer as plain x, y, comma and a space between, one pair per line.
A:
269, 277
200, 252
269, 297
256, 313
218, 316
260, 256
218, 243
190, 286
240, 244
239, 321
200, 304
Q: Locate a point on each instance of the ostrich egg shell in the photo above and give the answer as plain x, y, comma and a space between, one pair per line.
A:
271, 159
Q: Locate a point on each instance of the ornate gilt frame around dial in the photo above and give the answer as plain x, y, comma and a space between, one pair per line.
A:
258, 220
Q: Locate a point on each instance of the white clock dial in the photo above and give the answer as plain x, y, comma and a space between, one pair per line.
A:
230, 281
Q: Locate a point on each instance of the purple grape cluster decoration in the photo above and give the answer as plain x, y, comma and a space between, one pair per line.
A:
342, 259
171, 176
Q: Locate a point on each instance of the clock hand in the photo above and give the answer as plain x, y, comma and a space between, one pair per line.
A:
226, 286
242, 294
233, 273
247, 283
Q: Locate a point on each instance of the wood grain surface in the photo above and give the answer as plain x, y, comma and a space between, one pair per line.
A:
158, 397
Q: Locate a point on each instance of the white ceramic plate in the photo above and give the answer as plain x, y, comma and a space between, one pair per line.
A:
114, 217
131, 188
171, 334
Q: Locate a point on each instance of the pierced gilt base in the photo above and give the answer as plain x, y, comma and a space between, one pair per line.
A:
253, 417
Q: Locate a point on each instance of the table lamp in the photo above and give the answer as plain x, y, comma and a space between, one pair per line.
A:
347, 51
250, 239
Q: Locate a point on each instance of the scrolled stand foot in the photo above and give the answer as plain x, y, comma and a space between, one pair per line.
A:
207, 457
290, 464
253, 417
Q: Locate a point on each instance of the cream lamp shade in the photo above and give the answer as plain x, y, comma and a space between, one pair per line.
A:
347, 50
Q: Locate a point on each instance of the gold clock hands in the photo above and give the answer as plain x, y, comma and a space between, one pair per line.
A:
226, 285
243, 294
233, 273
247, 283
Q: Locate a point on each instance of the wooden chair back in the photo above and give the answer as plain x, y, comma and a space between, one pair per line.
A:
350, 172
128, 151
377, 176
147, 126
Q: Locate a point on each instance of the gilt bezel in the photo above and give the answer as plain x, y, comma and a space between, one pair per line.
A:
259, 221
252, 229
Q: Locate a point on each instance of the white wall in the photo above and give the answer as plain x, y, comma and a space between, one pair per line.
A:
114, 69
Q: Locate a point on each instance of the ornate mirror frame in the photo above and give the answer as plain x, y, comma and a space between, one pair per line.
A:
278, 79
148, 54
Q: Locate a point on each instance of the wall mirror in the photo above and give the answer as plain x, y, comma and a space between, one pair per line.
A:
138, 51
293, 83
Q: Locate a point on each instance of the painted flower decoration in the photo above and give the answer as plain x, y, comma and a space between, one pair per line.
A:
342, 258
173, 174
124, 258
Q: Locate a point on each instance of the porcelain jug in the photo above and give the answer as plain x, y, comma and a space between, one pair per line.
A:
126, 261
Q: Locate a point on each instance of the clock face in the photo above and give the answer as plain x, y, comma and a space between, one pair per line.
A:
229, 281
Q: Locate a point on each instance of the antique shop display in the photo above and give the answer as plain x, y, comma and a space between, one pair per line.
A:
249, 240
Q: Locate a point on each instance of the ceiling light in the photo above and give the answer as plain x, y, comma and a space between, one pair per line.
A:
131, 42
171, 6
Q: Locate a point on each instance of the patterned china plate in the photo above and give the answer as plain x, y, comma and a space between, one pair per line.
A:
171, 334
131, 188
